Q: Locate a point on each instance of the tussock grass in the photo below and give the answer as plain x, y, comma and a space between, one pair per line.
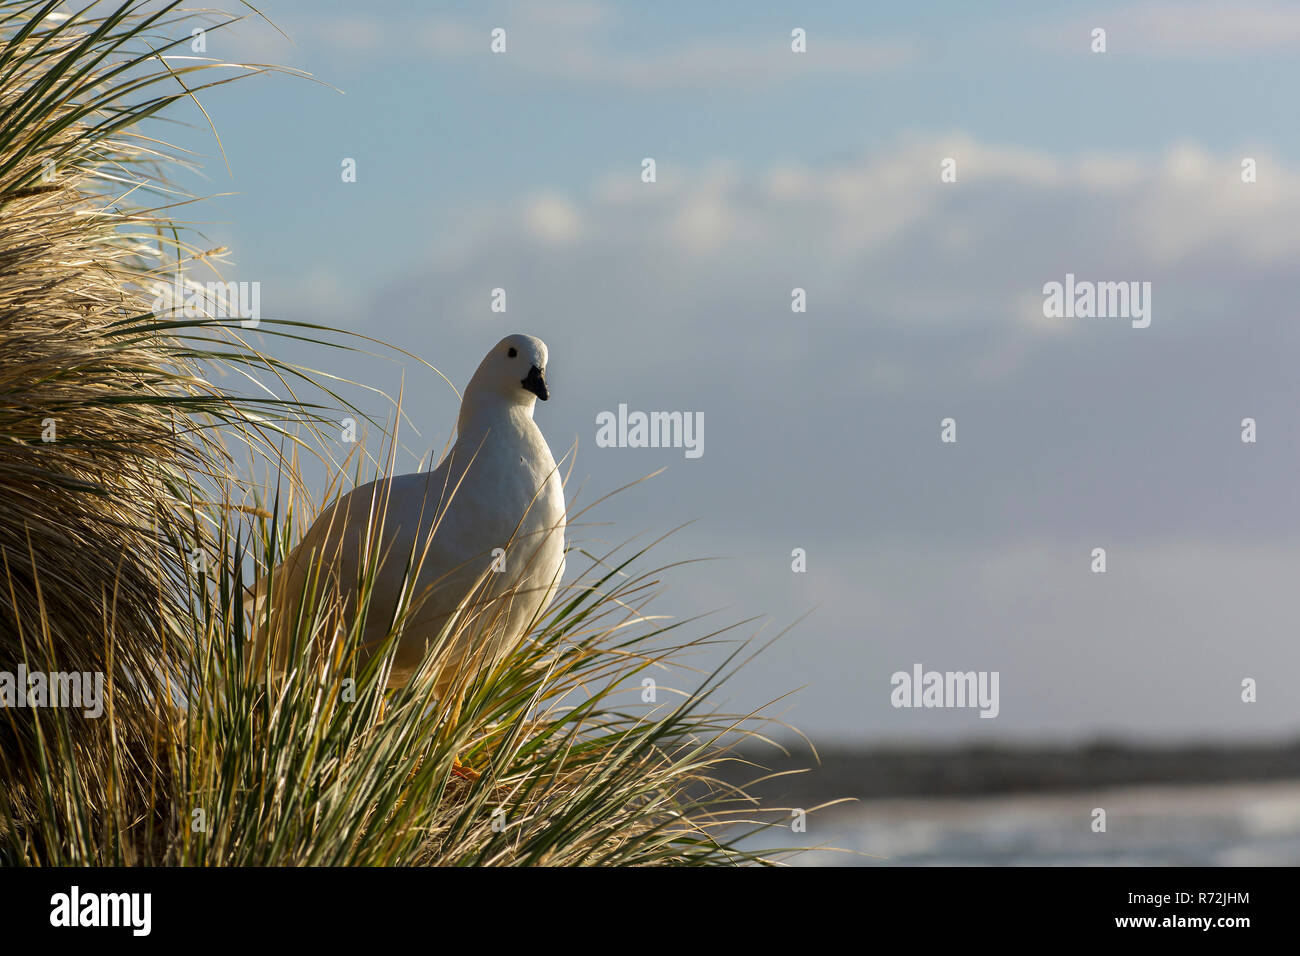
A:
130, 539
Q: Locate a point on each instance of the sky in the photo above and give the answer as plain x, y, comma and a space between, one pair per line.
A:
821, 171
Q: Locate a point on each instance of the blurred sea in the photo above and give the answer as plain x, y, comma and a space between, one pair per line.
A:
1255, 824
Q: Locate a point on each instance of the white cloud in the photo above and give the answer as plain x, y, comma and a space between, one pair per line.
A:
880, 243
553, 218
352, 35
567, 13
1205, 29
571, 41
1140, 209
451, 38
746, 63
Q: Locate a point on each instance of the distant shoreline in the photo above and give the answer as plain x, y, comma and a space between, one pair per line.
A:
877, 773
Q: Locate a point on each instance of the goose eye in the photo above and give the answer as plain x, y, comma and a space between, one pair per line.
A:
513, 352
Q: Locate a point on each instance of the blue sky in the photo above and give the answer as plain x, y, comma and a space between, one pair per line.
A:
820, 170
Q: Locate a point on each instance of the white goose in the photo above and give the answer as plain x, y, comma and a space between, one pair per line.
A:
485, 530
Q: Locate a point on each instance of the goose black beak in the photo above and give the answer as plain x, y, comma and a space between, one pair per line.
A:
536, 383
